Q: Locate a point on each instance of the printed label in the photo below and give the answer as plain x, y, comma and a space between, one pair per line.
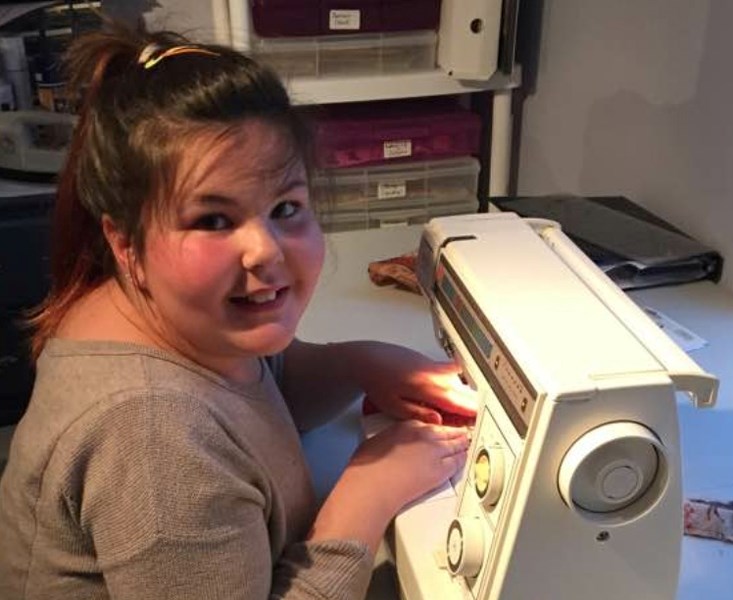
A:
398, 149
344, 19
385, 223
391, 190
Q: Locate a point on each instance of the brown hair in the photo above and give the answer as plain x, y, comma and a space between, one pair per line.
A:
133, 123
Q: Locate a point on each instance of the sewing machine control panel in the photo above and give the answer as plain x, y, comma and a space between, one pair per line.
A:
470, 534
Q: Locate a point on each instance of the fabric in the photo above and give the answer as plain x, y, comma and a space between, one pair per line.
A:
398, 271
136, 474
709, 519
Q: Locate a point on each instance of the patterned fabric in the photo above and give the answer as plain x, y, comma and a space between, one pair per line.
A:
709, 519
399, 271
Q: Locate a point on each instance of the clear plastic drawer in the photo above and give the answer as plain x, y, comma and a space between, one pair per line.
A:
388, 195
363, 54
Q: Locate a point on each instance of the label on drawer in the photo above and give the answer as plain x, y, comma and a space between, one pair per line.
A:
397, 149
391, 190
344, 19
384, 223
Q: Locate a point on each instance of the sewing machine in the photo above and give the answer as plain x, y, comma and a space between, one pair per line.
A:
572, 486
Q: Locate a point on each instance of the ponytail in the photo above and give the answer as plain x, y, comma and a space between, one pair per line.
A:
80, 258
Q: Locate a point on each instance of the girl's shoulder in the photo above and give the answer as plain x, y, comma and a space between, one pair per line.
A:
88, 384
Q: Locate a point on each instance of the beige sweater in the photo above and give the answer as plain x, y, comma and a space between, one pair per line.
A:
138, 475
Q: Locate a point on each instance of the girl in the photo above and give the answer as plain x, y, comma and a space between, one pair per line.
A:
160, 457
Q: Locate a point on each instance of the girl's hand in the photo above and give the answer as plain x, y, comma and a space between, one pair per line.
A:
387, 471
408, 385
410, 458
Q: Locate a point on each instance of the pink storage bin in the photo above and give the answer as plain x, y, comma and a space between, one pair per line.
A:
283, 18
371, 133
404, 15
289, 18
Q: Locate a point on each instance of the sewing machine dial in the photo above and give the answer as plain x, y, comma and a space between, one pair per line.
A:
617, 471
488, 475
465, 546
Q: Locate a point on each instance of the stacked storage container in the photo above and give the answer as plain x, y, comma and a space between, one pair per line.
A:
383, 162
395, 162
321, 38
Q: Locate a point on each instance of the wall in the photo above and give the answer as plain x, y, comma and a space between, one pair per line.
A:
635, 97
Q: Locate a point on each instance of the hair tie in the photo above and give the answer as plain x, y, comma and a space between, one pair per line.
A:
148, 58
147, 53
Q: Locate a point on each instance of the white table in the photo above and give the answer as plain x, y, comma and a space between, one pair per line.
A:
348, 306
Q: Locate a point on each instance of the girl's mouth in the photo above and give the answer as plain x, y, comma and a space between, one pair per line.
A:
263, 300
261, 297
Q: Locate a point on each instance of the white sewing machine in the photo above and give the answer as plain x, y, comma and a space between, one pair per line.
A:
572, 487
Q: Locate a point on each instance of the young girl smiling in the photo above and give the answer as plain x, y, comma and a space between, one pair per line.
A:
160, 456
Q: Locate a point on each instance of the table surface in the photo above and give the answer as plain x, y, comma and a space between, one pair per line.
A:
348, 306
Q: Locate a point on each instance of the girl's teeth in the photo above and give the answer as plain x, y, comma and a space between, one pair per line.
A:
262, 297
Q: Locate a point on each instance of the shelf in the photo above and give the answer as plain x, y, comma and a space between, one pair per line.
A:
331, 90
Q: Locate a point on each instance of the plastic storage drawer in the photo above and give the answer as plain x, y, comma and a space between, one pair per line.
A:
367, 54
287, 18
386, 195
395, 131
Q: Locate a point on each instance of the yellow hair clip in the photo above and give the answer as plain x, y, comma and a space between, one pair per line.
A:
148, 60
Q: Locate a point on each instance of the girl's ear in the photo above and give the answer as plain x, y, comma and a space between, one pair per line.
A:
123, 251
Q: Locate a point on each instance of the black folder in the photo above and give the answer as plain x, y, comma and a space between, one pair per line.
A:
636, 248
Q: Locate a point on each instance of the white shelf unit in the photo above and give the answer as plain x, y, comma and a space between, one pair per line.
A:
229, 22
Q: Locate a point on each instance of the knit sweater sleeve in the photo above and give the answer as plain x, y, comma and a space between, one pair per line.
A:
176, 509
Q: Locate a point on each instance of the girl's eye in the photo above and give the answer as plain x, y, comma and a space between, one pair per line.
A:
212, 222
286, 210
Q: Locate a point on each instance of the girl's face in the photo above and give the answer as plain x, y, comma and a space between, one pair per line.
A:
230, 272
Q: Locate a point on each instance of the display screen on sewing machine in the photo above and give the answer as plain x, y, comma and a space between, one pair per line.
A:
514, 391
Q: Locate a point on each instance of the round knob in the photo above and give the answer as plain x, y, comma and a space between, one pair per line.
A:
488, 475
611, 467
620, 481
465, 546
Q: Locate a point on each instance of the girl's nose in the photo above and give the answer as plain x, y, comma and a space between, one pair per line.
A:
260, 245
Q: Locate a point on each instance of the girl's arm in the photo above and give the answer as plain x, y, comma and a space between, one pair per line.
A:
320, 380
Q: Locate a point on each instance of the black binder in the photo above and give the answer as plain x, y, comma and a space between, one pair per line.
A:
636, 248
